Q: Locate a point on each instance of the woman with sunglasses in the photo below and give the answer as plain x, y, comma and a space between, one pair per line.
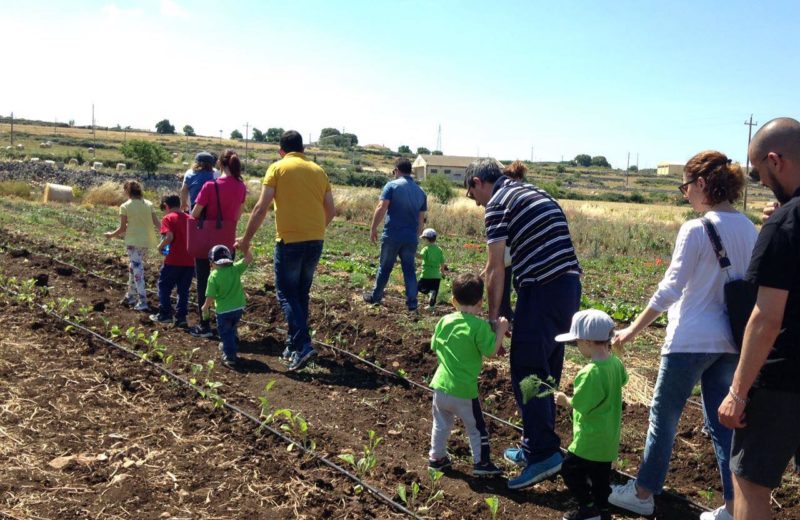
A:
699, 345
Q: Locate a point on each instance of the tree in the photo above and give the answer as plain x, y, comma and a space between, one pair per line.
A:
601, 161
436, 152
439, 186
259, 136
350, 137
146, 153
423, 151
236, 134
164, 127
583, 160
188, 130
404, 149
274, 135
327, 132
633, 168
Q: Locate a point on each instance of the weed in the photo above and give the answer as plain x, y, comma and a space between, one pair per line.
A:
409, 501
402, 373
707, 494
263, 400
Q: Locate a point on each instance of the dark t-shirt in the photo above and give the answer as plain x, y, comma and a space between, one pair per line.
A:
776, 263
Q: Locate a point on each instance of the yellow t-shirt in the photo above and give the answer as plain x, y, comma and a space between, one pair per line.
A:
300, 186
140, 232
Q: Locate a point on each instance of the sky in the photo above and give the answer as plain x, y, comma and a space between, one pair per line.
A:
508, 79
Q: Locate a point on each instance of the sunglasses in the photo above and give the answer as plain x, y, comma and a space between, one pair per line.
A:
683, 188
470, 185
753, 173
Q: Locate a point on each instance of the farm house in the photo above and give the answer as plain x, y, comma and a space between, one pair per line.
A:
453, 166
669, 168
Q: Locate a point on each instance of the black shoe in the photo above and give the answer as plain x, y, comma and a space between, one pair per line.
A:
583, 513
440, 464
199, 331
486, 469
231, 363
368, 298
181, 324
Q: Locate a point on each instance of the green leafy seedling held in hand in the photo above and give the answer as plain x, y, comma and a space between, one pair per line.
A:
534, 386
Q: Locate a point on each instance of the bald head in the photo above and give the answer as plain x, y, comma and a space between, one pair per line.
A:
781, 135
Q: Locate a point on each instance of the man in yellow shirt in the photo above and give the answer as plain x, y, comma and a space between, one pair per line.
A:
303, 209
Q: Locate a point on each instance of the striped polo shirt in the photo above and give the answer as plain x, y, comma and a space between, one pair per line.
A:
534, 227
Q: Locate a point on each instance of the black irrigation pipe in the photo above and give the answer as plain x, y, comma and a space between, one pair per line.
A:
378, 494
379, 368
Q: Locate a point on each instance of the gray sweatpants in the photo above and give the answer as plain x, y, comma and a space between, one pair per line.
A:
445, 409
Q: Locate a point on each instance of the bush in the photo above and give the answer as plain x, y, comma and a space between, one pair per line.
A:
561, 168
439, 186
148, 154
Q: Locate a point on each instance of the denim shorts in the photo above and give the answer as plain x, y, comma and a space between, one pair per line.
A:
762, 449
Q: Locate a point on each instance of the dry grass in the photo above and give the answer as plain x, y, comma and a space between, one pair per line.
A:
107, 194
18, 189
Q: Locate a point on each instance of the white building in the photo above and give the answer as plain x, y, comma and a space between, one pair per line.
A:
453, 166
668, 168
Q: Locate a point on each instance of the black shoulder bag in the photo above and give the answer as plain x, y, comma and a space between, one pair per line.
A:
740, 295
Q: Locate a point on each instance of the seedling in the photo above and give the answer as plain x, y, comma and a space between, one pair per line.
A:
409, 501
266, 406
368, 461
297, 427
534, 386
115, 332
708, 494
493, 502
402, 373
363, 354
436, 494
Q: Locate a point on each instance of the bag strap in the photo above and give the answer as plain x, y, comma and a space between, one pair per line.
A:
219, 206
716, 244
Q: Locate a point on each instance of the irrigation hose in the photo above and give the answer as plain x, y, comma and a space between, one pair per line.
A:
233, 408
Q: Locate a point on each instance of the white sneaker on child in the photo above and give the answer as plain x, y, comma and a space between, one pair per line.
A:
625, 497
719, 513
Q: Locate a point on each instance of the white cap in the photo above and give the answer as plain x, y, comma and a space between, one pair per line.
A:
591, 324
428, 233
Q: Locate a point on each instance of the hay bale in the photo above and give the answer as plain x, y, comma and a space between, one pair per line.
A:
34, 159
90, 149
121, 167
51, 163
20, 147
96, 165
73, 162
58, 193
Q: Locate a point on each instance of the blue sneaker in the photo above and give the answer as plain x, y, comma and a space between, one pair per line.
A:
301, 359
286, 355
537, 472
516, 456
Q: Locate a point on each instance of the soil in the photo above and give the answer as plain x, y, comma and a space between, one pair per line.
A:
343, 399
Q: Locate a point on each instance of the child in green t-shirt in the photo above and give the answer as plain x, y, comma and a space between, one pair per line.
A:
433, 266
461, 340
596, 414
225, 292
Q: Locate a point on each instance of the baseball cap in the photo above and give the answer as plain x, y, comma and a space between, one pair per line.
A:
220, 255
591, 324
428, 233
204, 157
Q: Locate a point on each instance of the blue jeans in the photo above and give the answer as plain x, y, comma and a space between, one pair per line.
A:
390, 250
169, 277
294, 271
543, 311
226, 328
676, 378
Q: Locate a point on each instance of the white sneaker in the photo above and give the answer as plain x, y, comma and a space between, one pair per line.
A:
719, 513
625, 497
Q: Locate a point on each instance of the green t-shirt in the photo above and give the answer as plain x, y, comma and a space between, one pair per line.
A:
597, 410
225, 286
460, 341
432, 260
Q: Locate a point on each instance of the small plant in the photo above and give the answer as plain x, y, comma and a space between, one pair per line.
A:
493, 502
297, 427
266, 406
436, 494
368, 461
622, 463
409, 501
115, 332
402, 373
363, 354
532, 386
707, 494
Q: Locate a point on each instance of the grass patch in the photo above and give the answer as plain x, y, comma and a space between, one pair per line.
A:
18, 189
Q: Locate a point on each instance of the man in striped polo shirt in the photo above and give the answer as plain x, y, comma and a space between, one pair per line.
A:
547, 279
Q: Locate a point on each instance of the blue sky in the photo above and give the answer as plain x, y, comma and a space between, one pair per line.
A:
661, 79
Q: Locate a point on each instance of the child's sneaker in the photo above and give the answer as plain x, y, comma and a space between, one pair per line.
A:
231, 363
583, 513
157, 318
483, 469
440, 464
198, 331
142, 307
301, 359
625, 497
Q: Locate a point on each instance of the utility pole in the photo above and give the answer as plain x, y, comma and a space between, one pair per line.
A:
750, 126
220, 137
12, 128
627, 168
637, 161
94, 136
439, 139
531, 153
246, 134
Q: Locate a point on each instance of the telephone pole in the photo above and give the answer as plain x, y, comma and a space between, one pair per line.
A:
246, 134
12, 128
94, 136
627, 169
750, 124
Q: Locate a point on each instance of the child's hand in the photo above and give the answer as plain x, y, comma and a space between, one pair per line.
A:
621, 337
502, 326
562, 399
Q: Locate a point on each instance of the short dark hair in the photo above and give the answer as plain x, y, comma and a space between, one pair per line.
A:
486, 170
403, 165
133, 189
292, 141
468, 289
170, 201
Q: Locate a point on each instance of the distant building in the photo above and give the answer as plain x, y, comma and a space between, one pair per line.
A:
668, 168
453, 166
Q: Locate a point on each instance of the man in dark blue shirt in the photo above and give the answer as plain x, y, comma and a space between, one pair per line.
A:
763, 404
547, 280
402, 207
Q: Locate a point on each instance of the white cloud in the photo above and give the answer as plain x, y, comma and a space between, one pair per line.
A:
173, 10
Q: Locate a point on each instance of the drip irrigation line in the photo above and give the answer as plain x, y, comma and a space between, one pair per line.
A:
379, 368
378, 494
